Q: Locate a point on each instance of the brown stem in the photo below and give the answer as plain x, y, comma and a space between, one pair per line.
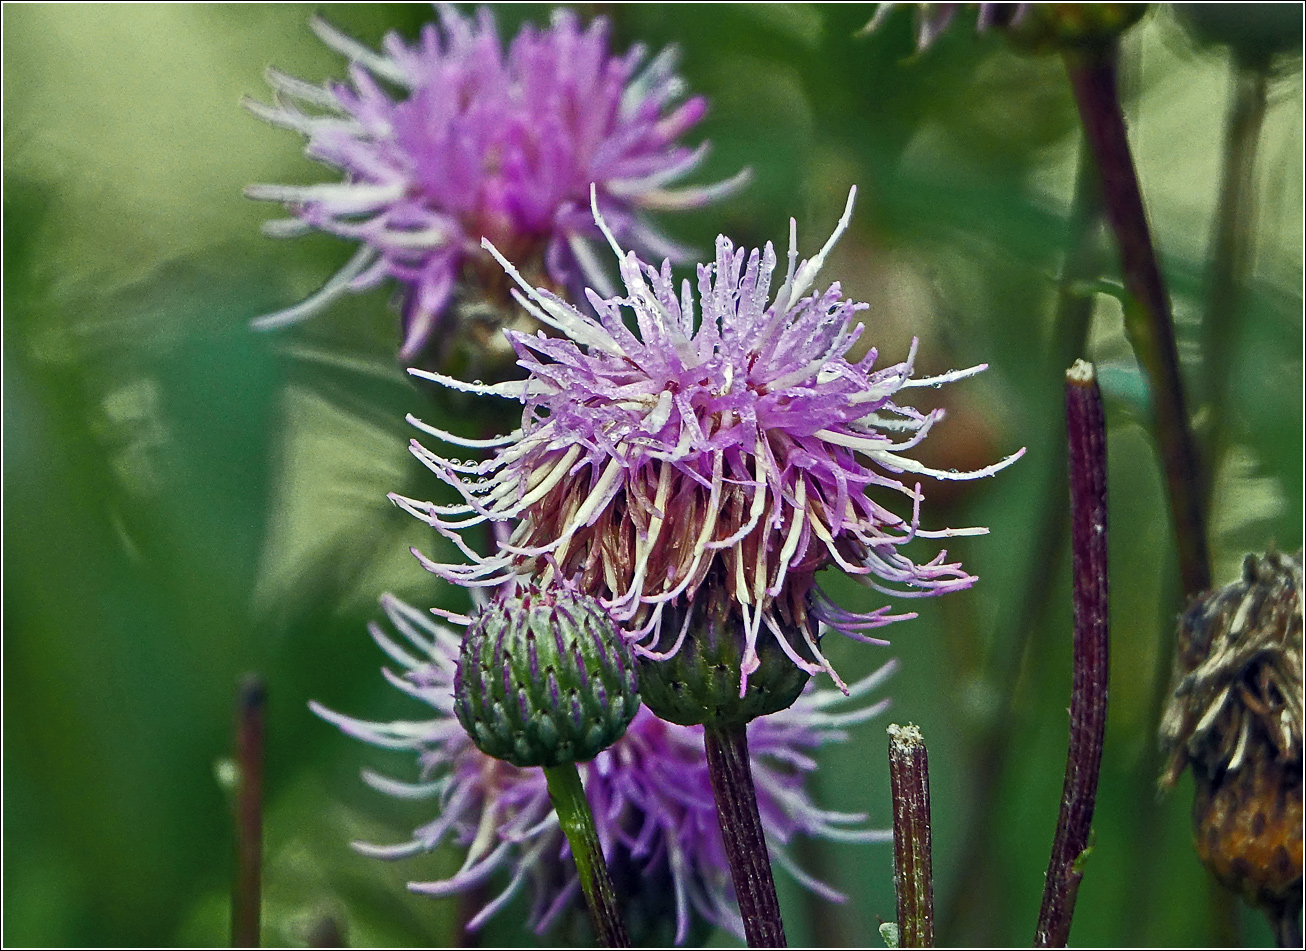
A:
246, 893
741, 833
1086, 428
1149, 322
909, 778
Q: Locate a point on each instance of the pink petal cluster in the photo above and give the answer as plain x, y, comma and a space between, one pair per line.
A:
650, 793
665, 446
453, 139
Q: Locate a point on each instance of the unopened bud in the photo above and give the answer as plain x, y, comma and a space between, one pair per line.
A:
545, 678
700, 683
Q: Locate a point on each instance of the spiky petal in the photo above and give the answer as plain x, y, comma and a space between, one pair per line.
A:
453, 138
737, 445
650, 793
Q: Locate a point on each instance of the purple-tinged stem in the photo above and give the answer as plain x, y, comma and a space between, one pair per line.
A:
1086, 429
909, 778
1149, 322
577, 821
247, 886
741, 833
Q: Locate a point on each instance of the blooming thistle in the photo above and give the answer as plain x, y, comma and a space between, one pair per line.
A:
650, 793
483, 143
735, 453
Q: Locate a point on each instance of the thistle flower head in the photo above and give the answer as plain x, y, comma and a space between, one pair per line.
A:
650, 793
453, 138
726, 441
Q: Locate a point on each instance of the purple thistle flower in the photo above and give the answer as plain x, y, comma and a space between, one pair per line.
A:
483, 143
649, 791
741, 449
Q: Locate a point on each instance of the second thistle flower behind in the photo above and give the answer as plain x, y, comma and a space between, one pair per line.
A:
704, 464
455, 137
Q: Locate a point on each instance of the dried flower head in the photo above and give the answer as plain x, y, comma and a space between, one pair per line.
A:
452, 139
738, 450
1235, 717
649, 791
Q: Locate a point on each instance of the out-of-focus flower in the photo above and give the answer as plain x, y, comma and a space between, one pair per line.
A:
740, 452
650, 794
933, 18
452, 139
1235, 717
1256, 38
1037, 27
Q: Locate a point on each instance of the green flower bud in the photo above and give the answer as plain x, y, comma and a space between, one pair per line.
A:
700, 682
545, 678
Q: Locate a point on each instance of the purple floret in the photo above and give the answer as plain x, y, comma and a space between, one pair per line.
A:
453, 139
650, 793
737, 447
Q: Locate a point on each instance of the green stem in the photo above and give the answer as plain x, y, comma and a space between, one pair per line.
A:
1149, 322
741, 834
1231, 247
577, 822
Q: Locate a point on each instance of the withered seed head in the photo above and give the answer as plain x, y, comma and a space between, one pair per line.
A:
1235, 716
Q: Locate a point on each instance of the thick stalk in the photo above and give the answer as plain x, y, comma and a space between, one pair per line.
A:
913, 877
741, 833
1149, 322
577, 822
1086, 429
247, 885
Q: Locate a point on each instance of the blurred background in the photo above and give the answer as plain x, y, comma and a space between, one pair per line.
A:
187, 499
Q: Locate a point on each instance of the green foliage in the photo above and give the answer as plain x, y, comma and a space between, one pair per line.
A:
187, 499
